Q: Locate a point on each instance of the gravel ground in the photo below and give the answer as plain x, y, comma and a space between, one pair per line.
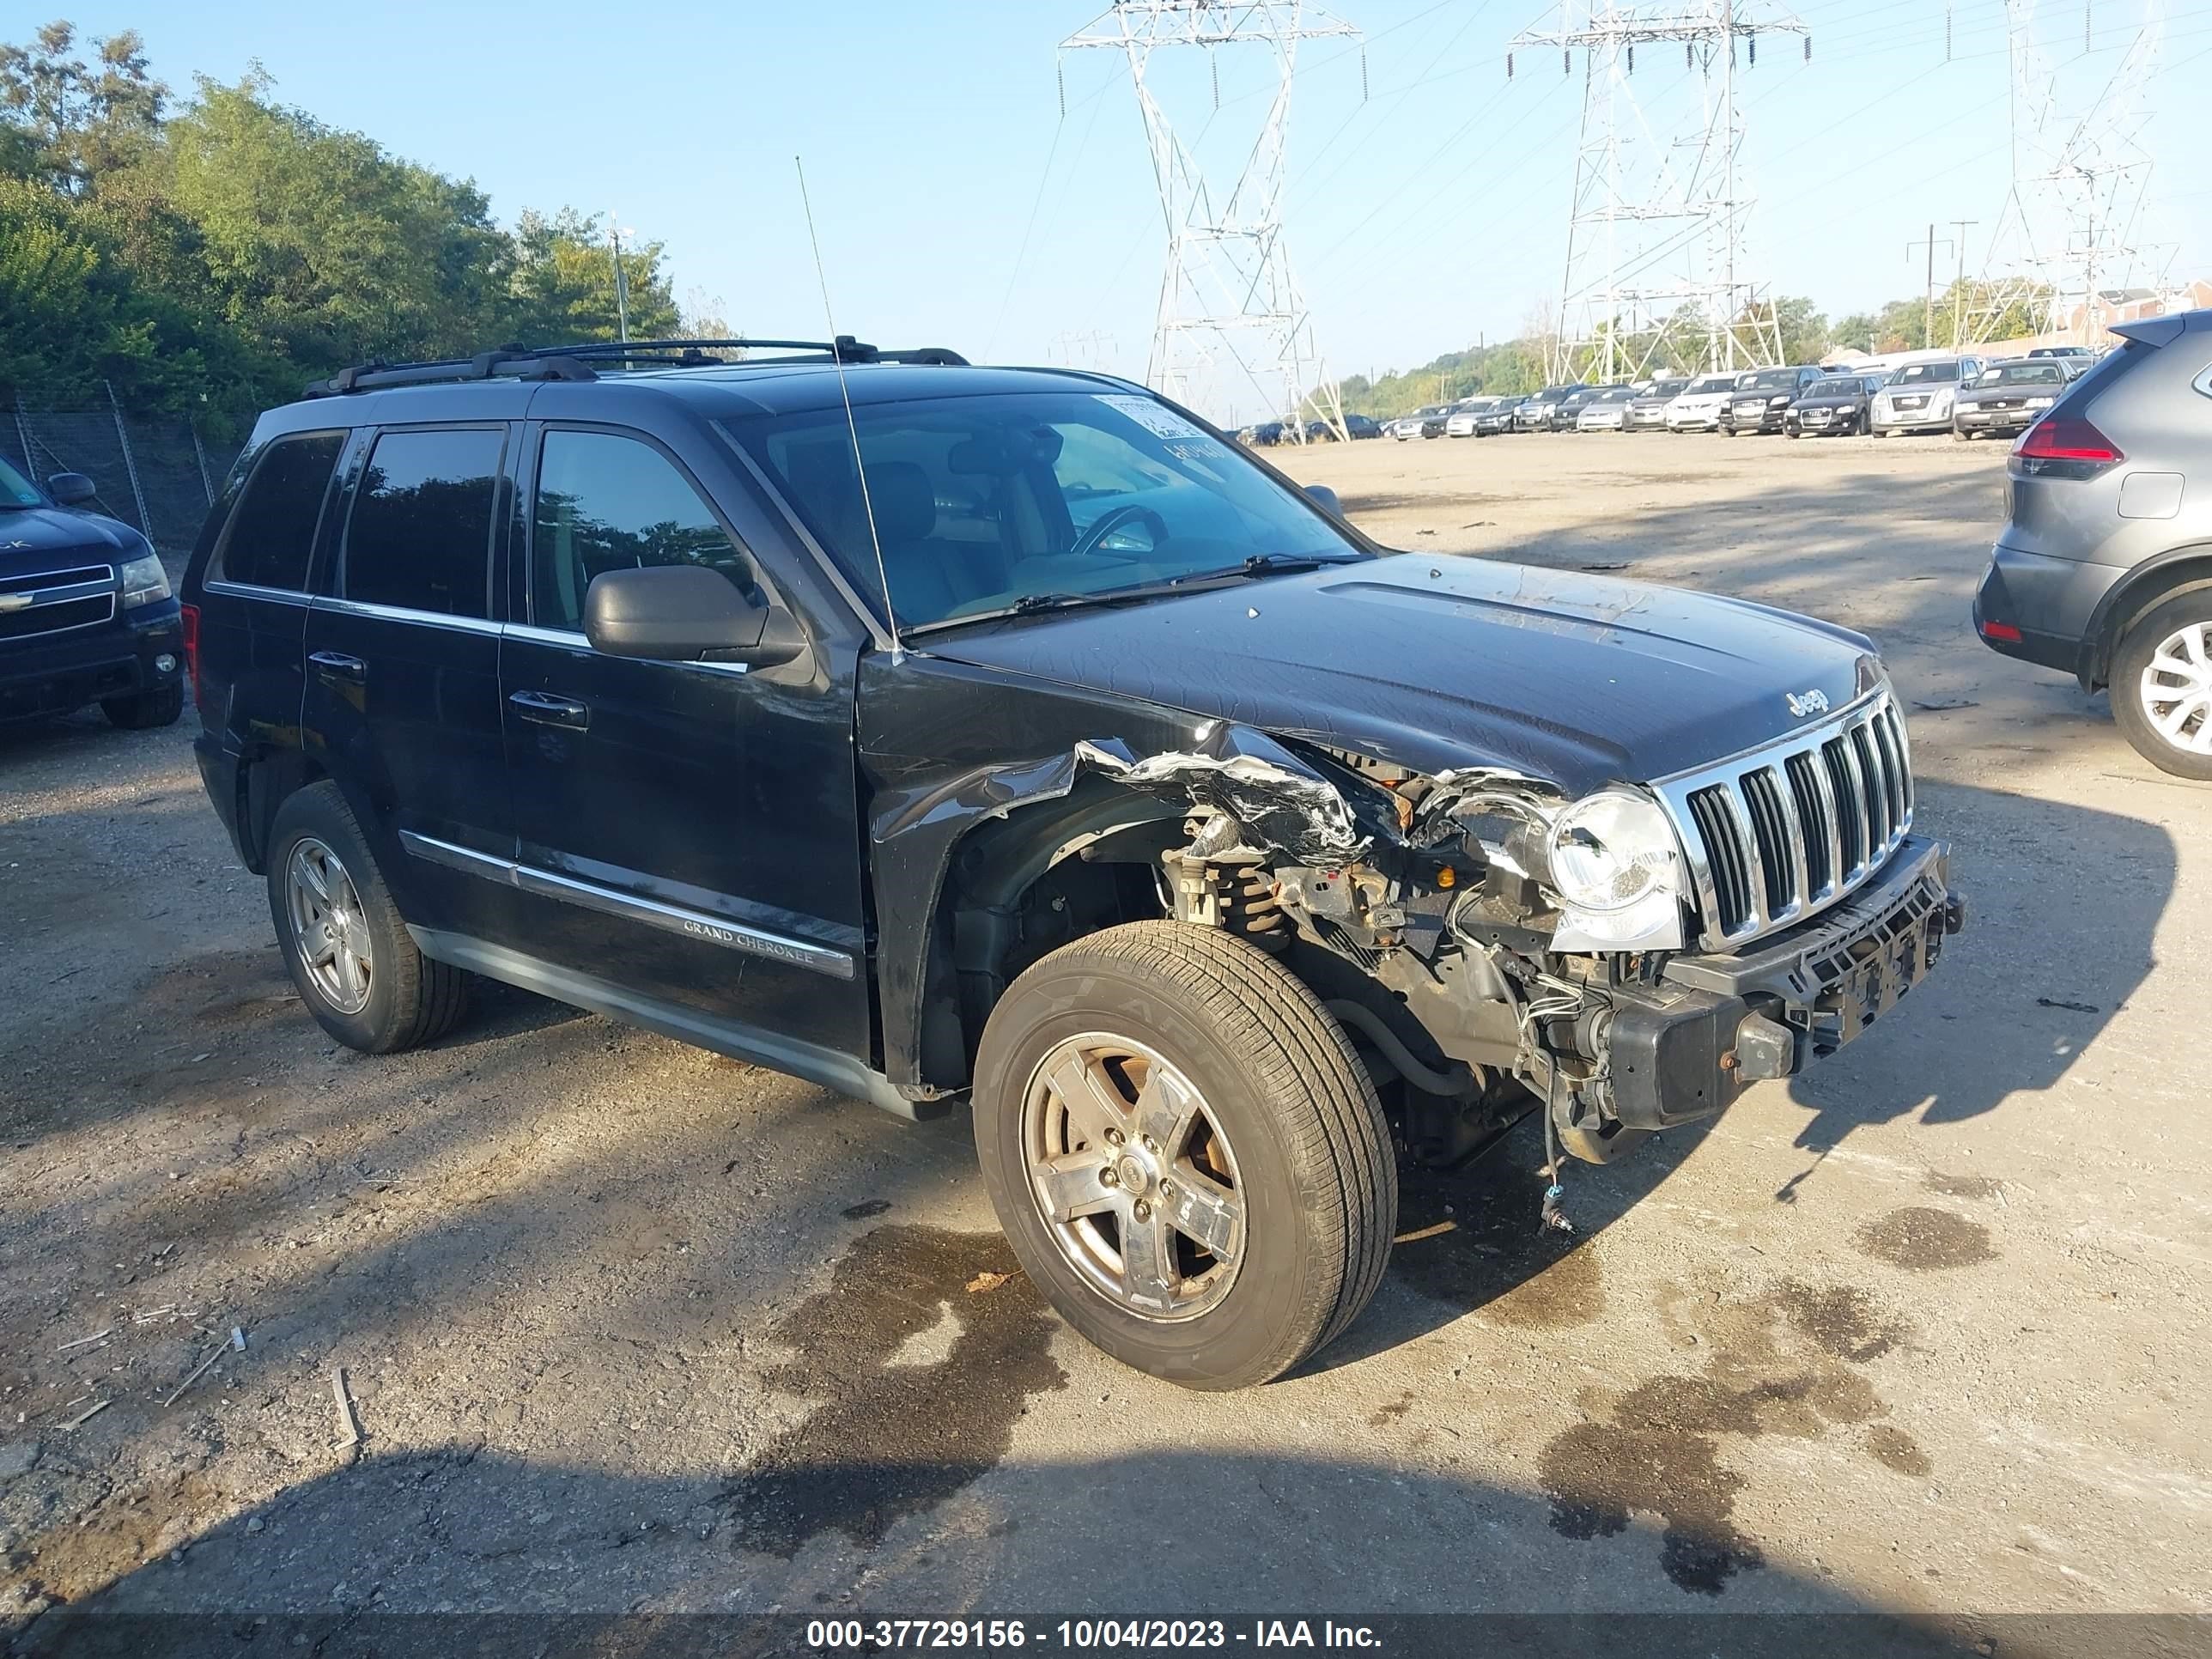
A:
623, 1325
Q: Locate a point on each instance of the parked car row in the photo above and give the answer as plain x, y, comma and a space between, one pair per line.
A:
1964, 395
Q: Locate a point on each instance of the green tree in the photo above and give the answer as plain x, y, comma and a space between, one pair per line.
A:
69, 122
562, 288
319, 244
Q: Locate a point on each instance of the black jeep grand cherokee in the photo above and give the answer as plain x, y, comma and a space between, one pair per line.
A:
86, 614
1013, 736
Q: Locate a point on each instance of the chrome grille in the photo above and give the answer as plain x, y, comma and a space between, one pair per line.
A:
1775, 835
55, 601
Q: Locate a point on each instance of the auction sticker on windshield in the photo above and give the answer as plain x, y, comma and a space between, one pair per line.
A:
1155, 418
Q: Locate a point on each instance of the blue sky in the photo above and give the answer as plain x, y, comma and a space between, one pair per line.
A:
958, 206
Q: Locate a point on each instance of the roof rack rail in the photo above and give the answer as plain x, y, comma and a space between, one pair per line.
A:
573, 362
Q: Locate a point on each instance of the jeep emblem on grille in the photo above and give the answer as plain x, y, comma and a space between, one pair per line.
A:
1810, 703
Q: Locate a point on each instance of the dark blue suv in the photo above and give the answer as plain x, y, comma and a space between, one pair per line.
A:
86, 614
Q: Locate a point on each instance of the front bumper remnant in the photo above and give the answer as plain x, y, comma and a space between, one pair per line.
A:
1685, 1047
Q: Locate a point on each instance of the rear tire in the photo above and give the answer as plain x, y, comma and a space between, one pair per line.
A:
2161, 686
141, 711
1286, 1165
343, 938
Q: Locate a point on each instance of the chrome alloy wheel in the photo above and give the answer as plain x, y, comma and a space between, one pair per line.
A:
1133, 1177
2176, 689
327, 926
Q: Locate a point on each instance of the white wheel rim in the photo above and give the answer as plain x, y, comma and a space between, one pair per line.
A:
1132, 1176
2176, 689
327, 926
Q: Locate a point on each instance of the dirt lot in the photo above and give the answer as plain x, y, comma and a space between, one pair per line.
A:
624, 1326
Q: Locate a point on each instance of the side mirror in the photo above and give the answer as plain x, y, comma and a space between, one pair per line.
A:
71, 488
685, 613
1325, 498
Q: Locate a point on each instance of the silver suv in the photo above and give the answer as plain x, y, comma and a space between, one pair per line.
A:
2103, 568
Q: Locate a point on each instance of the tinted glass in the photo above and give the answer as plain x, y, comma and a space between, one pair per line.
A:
980, 501
1923, 374
421, 535
1769, 379
14, 489
272, 533
1834, 389
611, 503
2038, 373
1668, 388
1712, 383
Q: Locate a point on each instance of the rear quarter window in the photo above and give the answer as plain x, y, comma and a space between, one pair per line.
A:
270, 533
2075, 401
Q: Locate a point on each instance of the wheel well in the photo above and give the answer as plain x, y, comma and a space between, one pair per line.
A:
1020, 887
2150, 586
265, 783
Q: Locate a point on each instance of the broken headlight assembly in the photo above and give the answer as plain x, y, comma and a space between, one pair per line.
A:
1618, 870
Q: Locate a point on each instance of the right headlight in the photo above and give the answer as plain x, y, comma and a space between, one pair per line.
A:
1617, 867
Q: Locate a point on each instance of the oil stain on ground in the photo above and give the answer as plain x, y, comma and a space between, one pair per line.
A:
1779, 1364
1471, 1240
885, 1439
1924, 1240
1896, 1451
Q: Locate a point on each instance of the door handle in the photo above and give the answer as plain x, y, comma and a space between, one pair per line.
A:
546, 709
338, 666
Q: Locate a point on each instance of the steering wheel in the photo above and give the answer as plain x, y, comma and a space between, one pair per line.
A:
1108, 522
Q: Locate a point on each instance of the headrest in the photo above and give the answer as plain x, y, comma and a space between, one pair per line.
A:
904, 499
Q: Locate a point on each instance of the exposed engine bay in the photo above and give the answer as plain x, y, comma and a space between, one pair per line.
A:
1489, 946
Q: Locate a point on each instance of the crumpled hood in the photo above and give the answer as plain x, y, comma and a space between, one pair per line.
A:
31, 537
1436, 663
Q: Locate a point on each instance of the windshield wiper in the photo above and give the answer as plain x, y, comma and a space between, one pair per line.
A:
1259, 564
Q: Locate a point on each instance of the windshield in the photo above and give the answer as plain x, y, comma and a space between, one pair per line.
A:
1922, 373
1667, 388
1712, 383
981, 502
1837, 388
2042, 374
1769, 379
15, 489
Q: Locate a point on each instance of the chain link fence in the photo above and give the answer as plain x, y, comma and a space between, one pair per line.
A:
156, 472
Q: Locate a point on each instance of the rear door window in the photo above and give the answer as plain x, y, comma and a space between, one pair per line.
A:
271, 533
420, 537
608, 502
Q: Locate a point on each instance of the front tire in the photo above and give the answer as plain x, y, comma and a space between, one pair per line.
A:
344, 940
2161, 686
1185, 1152
141, 711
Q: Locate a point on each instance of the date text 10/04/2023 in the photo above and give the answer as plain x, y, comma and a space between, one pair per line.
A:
876, 1635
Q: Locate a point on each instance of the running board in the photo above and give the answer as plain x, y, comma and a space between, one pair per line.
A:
807, 1061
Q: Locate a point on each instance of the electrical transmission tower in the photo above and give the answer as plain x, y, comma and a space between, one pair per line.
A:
2073, 214
1656, 271
1230, 312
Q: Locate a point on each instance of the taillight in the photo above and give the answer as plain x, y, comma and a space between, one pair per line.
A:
190, 616
2059, 448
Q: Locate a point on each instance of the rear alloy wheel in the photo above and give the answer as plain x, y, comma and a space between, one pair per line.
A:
1185, 1152
2162, 687
358, 967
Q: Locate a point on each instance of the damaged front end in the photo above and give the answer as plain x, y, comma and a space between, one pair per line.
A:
1484, 938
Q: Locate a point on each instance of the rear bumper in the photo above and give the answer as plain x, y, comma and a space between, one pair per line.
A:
55, 675
2039, 609
1686, 1048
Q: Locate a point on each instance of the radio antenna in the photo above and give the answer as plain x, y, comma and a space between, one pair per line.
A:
852, 426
